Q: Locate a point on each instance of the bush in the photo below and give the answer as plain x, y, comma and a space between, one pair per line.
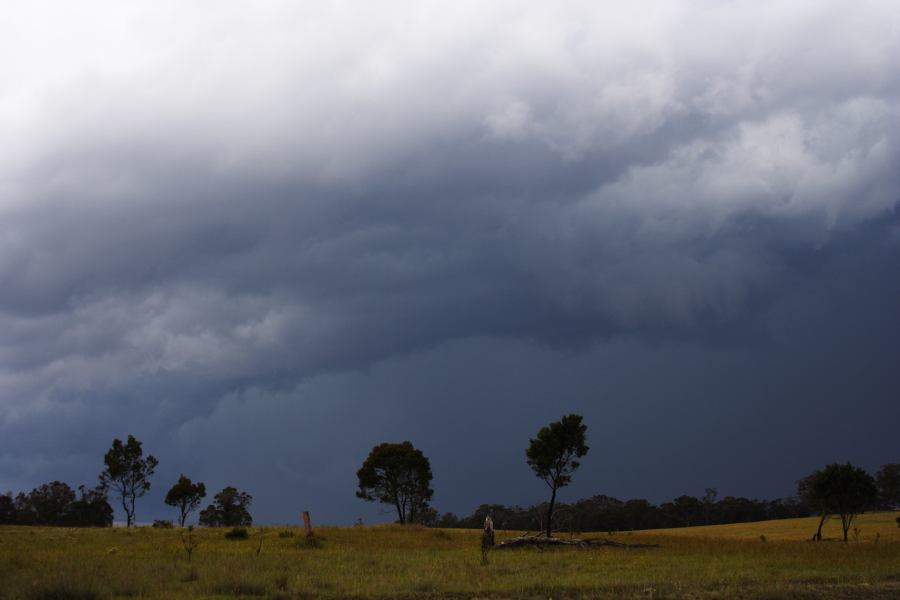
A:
162, 524
237, 533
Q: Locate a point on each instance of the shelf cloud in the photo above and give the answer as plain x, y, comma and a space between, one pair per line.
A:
257, 206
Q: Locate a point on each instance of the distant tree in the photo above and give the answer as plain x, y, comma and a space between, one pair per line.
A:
186, 496
229, 509
638, 514
128, 473
709, 502
553, 456
888, 480
843, 490
7, 509
687, 510
399, 475
91, 509
428, 516
809, 491
48, 504
448, 520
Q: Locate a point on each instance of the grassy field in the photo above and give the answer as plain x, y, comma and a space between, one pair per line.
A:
730, 561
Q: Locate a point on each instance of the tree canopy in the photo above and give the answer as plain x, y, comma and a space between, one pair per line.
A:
128, 473
838, 489
399, 475
888, 480
186, 496
553, 455
230, 508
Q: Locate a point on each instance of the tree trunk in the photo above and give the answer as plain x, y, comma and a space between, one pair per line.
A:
846, 520
128, 517
818, 535
550, 513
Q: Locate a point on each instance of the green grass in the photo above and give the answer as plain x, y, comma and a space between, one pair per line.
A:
393, 562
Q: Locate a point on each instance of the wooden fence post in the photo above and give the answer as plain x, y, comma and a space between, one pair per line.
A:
307, 525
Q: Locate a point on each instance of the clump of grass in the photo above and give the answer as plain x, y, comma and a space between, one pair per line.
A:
64, 592
287, 533
237, 533
311, 543
281, 582
241, 588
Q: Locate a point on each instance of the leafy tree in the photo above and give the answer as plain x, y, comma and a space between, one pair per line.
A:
186, 496
128, 473
709, 502
810, 491
888, 480
687, 510
229, 509
638, 513
843, 490
399, 475
92, 509
7, 509
48, 504
553, 456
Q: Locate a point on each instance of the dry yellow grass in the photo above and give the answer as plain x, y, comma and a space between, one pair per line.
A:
870, 525
396, 562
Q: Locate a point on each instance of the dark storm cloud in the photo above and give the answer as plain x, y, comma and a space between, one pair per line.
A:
206, 213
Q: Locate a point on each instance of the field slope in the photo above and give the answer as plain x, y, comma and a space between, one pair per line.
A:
730, 561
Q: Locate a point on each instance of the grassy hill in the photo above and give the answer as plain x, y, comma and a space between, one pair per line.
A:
729, 561
868, 526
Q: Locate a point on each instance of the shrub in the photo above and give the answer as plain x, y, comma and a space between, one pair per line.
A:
162, 524
237, 533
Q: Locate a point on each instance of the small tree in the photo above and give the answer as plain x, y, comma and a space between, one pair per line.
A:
186, 496
128, 473
397, 474
809, 492
229, 509
92, 509
888, 480
553, 456
844, 490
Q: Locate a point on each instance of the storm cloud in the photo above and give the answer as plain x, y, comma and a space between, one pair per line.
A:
242, 233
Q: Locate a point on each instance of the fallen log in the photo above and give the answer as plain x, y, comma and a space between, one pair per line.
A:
541, 542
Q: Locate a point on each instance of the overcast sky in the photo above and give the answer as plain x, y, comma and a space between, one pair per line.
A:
265, 236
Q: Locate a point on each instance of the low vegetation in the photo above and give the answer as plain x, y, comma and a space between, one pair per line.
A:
751, 560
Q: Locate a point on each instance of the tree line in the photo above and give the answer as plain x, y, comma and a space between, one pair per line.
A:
127, 474
399, 475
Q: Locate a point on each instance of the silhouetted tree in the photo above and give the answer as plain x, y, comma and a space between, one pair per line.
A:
844, 490
553, 456
848, 491
810, 492
55, 504
128, 473
888, 480
229, 509
7, 509
48, 504
186, 496
638, 514
92, 509
399, 475
688, 510
709, 501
